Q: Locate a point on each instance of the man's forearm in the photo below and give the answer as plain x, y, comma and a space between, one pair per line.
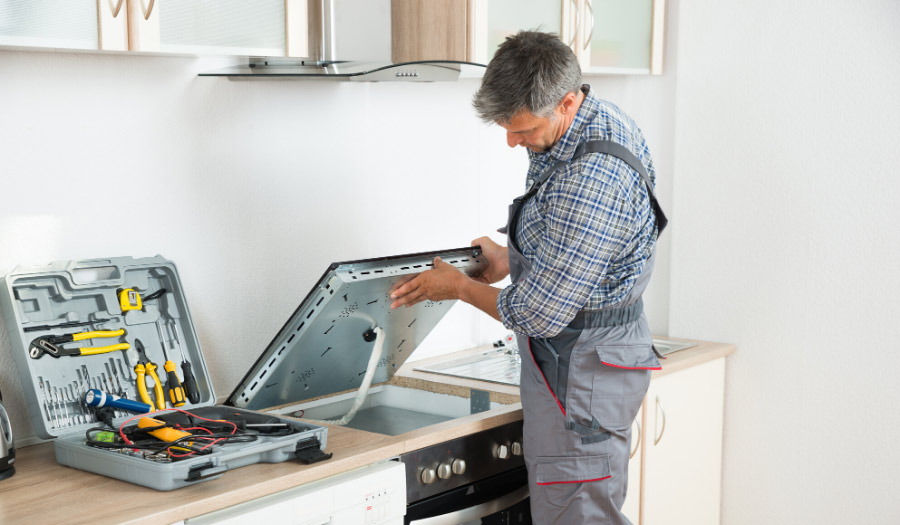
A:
481, 296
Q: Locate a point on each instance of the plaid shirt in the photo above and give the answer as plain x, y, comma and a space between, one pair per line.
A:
588, 230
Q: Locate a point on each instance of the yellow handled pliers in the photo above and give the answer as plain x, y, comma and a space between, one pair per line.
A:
144, 368
51, 344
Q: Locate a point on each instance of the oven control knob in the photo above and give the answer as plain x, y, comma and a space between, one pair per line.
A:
427, 476
503, 452
459, 466
516, 448
444, 471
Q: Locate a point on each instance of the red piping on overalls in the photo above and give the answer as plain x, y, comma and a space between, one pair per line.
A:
576, 481
632, 367
545, 379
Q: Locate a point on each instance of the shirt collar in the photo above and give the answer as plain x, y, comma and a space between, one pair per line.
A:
564, 148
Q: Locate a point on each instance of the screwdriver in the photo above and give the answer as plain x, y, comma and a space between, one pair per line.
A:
173, 385
190, 384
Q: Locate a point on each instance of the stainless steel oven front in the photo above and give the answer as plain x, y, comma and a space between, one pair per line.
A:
479, 478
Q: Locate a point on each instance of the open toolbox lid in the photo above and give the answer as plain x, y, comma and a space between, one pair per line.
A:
67, 297
321, 349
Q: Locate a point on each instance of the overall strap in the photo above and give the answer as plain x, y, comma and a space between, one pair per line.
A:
615, 149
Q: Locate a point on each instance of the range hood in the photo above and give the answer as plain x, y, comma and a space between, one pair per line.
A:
359, 40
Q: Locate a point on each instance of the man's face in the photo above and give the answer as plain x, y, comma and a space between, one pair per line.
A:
535, 133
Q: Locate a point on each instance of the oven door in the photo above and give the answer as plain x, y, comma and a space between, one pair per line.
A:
500, 499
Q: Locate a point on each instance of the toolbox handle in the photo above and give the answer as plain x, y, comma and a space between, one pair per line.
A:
205, 472
94, 272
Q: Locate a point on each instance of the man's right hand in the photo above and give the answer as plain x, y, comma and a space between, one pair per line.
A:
498, 261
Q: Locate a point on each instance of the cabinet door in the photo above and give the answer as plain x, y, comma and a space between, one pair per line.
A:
683, 447
67, 24
433, 30
230, 27
632, 506
493, 20
621, 36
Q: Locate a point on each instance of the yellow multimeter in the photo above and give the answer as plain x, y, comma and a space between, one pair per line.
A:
130, 299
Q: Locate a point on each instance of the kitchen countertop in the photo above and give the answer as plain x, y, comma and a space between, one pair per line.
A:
43, 491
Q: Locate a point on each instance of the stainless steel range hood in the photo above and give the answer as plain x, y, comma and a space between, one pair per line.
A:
350, 40
424, 71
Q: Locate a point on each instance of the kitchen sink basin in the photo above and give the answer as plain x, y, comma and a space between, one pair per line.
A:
388, 409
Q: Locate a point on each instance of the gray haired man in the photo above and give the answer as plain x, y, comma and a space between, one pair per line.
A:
580, 250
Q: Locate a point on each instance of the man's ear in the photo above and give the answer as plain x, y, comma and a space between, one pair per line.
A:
567, 104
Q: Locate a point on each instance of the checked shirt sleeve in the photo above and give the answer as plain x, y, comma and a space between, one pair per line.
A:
588, 223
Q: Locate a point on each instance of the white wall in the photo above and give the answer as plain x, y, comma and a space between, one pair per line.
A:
254, 187
785, 243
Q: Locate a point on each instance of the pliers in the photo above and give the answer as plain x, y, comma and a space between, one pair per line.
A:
51, 344
143, 368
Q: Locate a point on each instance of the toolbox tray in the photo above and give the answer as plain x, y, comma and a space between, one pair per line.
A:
33, 297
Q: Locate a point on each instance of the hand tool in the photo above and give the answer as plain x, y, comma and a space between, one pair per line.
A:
50, 344
190, 383
99, 398
173, 385
46, 403
82, 409
60, 406
146, 367
119, 390
165, 433
69, 324
130, 299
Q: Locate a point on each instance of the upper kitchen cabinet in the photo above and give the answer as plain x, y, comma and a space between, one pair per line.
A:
227, 27
221, 27
607, 36
469, 30
620, 36
64, 24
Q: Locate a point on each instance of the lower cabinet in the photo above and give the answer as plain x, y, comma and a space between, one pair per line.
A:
675, 474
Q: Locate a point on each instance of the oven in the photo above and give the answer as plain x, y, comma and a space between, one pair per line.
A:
479, 478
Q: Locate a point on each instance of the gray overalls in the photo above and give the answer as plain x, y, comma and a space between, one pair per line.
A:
582, 389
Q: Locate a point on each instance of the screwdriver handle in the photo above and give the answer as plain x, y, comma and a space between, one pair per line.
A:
173, 385
190, 384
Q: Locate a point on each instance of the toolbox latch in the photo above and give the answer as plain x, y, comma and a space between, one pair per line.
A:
205, 471
309, 451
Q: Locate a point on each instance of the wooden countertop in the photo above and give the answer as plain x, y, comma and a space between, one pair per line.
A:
43, 491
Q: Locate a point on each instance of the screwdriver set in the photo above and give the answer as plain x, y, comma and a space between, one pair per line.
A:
101, 343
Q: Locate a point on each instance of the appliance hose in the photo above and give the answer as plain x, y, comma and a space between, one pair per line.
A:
366, 382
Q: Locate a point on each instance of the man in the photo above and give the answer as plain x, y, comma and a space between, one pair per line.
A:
580, 251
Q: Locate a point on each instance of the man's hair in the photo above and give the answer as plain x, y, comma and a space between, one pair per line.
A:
532, 71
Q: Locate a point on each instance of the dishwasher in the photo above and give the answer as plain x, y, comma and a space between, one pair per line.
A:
371, 495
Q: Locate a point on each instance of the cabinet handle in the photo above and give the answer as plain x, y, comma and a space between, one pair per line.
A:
149, 10
659, 409
587, 3
575, 24
637, 442
115, 10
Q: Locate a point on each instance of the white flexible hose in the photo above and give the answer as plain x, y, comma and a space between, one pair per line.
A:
366, 382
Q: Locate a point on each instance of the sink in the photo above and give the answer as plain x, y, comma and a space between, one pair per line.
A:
667, 347
388, 409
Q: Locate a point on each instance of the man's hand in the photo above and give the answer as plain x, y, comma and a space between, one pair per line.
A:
438, 284
498, 261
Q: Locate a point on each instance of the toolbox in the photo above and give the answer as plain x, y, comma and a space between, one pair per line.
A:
83, 333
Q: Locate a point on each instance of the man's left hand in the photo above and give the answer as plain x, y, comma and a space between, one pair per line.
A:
438, 284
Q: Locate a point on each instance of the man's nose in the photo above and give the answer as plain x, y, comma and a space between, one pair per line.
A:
513, 139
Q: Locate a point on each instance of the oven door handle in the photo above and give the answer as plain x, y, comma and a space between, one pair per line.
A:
478, 511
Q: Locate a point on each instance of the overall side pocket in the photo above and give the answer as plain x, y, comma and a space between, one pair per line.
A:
562, 478
620, 383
